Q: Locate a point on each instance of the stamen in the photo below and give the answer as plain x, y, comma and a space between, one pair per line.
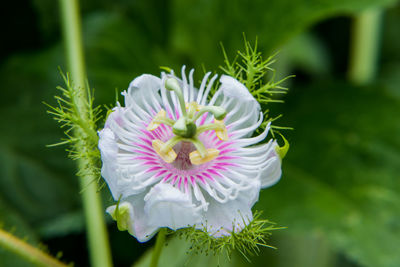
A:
199, 146
164, 151
197, 159
157, 120
219, 128
218, 112
221, 131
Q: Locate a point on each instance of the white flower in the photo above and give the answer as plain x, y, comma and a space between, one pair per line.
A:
176, 157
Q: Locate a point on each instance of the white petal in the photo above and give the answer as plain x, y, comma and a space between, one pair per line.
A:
166, 206
271, 174
115, 116
137, 221
202, 86
222, 218
109, 151
233, 88
239, 103
143, 92
119, 175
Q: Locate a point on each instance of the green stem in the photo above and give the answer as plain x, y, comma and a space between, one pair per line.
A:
28, 252
158, 247
99, 247
365, 46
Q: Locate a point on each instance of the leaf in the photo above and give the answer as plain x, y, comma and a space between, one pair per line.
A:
306, 53
64, 224
341, 176
196, 34
389, 74
31, 179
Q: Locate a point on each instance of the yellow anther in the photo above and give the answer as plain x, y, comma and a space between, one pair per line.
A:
221, 132
154, 123
196, 159
195, 104
168, 156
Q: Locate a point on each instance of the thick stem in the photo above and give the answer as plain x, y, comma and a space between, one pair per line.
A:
158, 247
96, 230
365, 46
28, 252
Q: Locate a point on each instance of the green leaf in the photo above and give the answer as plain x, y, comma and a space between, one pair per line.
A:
195, 34
341, 175
306, 53
62, 225
34, 179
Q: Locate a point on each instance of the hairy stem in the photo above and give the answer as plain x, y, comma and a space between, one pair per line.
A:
365, 46
158, 247
99, 247
28, 252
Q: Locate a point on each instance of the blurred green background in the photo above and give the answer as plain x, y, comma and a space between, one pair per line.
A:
340, 191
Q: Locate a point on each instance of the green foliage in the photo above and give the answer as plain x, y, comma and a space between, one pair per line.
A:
37, 256
305, 52
80, 130
35, 182
252, 70
259, 77
246, 242
341, 177
175, 254
126, 38
275, 22
12, 222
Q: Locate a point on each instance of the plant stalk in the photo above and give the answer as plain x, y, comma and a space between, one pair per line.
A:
28, 252
158, 247
364, 50
99, 248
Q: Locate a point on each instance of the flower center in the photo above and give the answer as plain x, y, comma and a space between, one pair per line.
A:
182, 161
186, 132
